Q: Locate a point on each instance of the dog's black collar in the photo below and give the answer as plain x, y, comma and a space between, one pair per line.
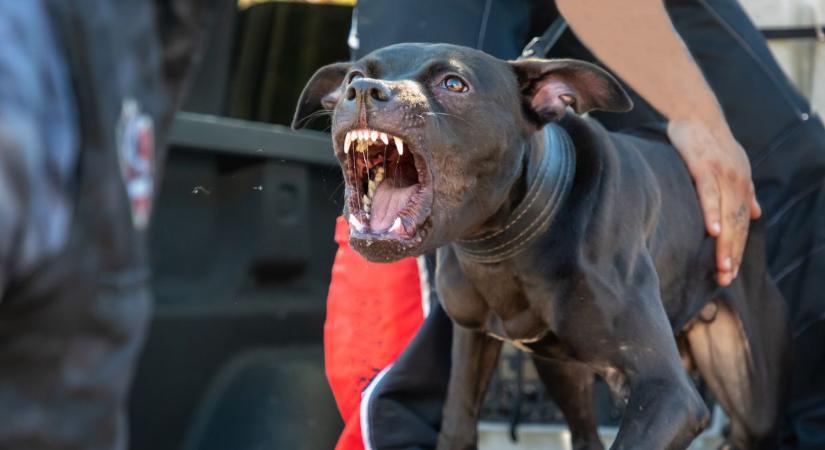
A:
548, 185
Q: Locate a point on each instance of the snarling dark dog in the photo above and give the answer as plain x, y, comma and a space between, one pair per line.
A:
583, 247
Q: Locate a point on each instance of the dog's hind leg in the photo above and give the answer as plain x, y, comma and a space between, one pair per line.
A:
743, 358
570, 384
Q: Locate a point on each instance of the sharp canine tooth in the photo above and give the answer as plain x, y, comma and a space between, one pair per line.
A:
396, 226
384, 138
399, 144
373, 135
355, 223
347, 142
371, 185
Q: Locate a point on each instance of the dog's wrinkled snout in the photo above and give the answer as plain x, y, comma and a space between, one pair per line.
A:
368, 91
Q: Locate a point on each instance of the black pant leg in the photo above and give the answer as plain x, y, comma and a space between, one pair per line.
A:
405, 408
786, 145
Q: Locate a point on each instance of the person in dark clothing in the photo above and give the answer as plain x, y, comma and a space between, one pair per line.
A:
783, 139
87, 92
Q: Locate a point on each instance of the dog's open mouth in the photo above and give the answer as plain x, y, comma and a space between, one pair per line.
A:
388, 186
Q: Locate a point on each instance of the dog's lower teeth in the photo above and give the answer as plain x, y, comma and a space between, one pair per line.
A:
396, 226
355, 223
366, 199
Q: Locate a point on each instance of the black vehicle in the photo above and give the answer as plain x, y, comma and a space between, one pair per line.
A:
242, 244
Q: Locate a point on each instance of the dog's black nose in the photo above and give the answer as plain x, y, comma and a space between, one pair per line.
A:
368, 90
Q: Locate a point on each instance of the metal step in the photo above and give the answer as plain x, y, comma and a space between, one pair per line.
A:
496, 436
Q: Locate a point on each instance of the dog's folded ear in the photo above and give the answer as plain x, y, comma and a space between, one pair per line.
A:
321, 92
549, 86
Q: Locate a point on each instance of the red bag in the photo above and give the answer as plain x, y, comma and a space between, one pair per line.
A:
373, 311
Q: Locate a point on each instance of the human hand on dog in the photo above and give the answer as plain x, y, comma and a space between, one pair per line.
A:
722, 173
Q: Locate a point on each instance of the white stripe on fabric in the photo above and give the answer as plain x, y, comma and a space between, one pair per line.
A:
366, 397
424, 279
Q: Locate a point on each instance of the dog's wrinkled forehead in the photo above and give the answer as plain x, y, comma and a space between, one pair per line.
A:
421, 62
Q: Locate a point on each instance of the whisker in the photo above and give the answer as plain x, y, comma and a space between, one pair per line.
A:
314, 115
335, 191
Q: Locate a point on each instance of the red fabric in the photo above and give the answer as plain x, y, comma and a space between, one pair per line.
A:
373, 311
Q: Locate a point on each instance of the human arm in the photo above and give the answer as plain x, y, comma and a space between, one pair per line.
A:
636, 39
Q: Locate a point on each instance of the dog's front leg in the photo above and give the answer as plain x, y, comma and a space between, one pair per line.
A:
474, 359
635, 344
622, 330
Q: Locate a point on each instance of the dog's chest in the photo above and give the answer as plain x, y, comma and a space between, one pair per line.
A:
501, 305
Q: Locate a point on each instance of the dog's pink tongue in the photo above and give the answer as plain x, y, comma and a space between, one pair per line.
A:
387, 202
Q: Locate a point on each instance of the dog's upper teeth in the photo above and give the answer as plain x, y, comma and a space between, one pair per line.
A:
399, 144
363, 138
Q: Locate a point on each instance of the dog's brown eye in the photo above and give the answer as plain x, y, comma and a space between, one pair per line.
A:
455, 84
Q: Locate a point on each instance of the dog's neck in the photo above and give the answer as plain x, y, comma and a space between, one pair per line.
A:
549, 177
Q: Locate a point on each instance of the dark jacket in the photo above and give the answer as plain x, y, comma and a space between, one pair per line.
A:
87, 92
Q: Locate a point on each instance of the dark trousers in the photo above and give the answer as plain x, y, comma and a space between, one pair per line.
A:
784, 140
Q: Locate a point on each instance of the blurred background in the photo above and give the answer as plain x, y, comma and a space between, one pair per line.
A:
242, 244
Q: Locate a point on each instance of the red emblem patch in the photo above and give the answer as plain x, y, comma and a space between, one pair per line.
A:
136, 151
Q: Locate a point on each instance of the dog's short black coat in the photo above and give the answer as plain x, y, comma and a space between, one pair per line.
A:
622, 282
